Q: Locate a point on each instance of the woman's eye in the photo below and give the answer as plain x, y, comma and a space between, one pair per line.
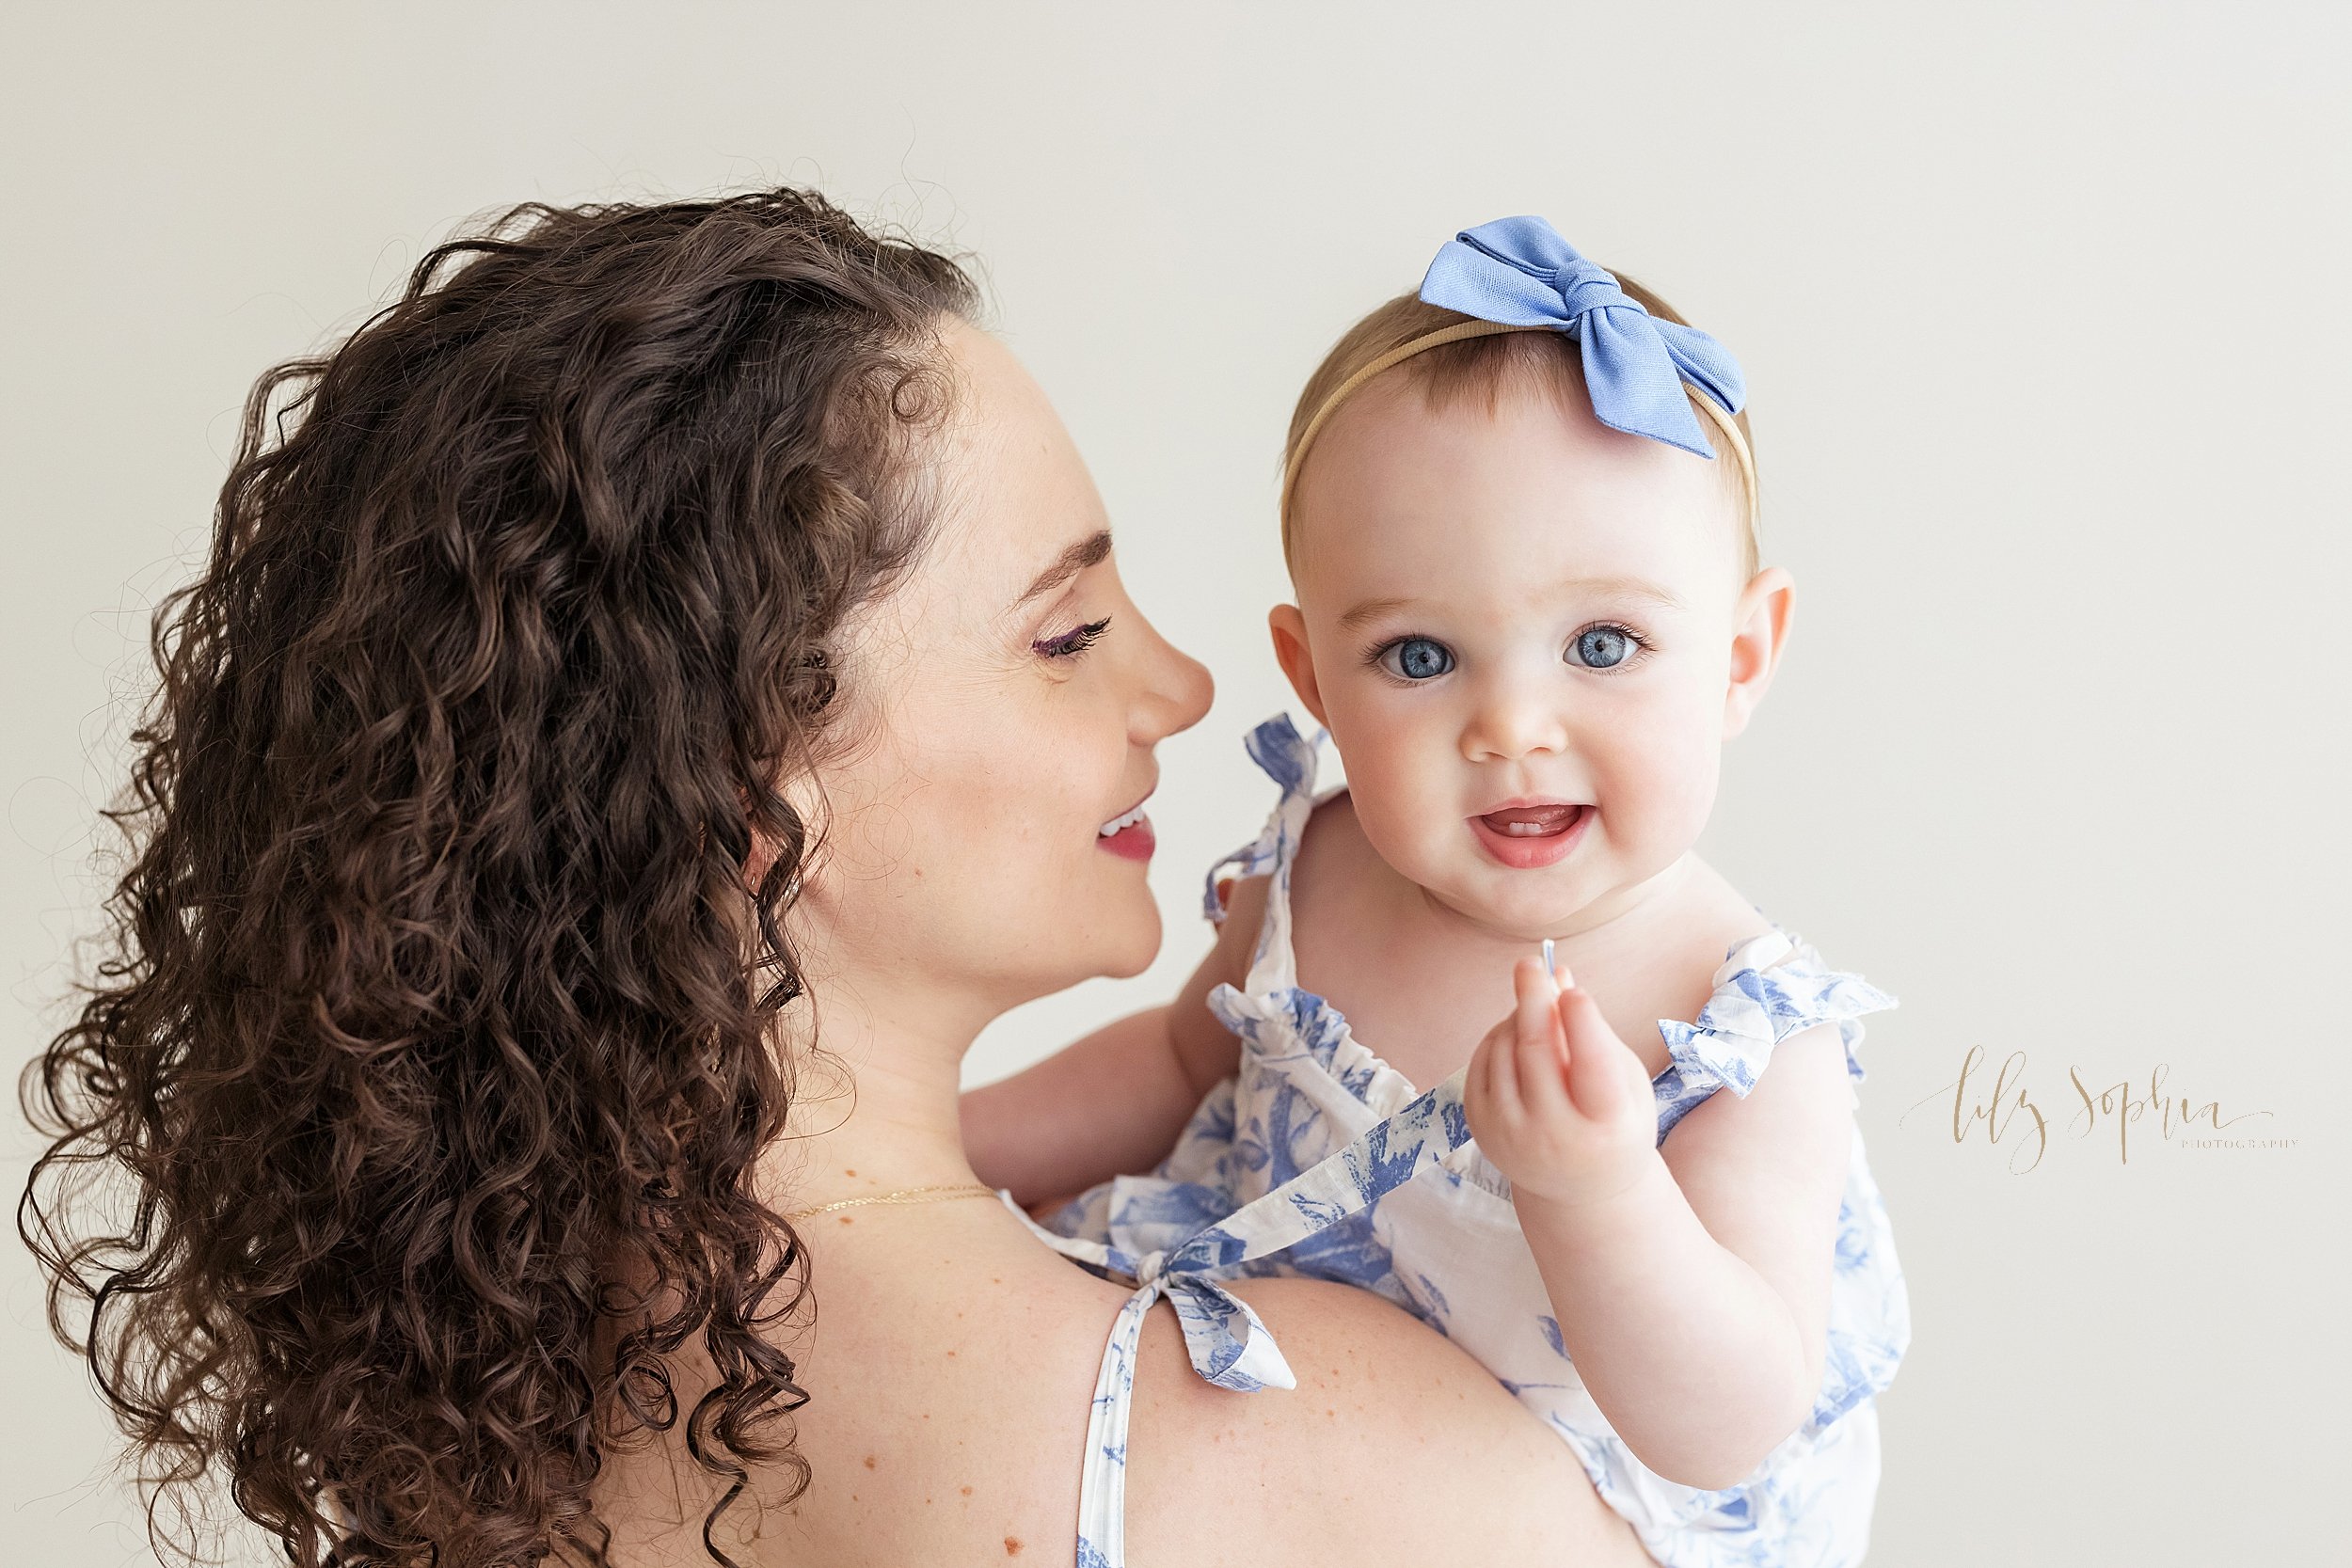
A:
1070, 644
1416, 658
1601, 647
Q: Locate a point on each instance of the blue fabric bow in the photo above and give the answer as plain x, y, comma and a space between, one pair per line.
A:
1519, 271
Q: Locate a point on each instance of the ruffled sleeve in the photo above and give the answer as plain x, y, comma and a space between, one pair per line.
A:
1768, 988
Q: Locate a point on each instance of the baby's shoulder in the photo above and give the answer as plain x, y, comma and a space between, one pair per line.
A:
1713, 933
1342, 892
1334, 856
1767, 991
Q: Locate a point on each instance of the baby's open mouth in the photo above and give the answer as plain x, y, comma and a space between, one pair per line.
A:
1531, 836
1532, 822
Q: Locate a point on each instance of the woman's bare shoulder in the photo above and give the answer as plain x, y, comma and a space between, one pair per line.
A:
1395, 1447
940, 1432
948, 1368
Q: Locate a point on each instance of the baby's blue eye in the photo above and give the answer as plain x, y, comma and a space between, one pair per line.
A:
1417, 659
1600, 647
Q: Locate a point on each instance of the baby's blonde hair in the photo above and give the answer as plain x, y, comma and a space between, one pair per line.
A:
1550, 359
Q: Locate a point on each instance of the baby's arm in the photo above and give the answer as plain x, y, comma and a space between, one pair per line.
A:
1691, 1281
1114, 1101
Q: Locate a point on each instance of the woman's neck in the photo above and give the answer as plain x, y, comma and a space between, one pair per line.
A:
874, 1095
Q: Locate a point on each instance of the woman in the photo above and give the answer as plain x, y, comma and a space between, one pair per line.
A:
654, 695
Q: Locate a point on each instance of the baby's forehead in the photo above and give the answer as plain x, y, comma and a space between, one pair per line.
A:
1502, 490
1474, 593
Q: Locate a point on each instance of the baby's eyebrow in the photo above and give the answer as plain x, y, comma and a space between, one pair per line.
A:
1611, 588
1371, 609
1627, 588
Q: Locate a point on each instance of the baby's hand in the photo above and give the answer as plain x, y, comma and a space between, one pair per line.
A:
1559, 1102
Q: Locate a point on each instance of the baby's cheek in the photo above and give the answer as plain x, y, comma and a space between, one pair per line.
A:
1404, 804
1659, 787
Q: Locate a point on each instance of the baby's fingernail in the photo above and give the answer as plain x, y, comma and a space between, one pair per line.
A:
1552, 964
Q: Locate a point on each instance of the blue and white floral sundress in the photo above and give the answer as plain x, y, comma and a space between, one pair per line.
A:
1320, 1159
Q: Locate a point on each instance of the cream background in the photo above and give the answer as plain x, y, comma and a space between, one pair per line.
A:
2044, 312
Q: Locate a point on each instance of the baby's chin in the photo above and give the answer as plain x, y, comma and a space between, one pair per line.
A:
1530, 907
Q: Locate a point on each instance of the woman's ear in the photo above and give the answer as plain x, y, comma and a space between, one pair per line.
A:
1290, 648
1759, 633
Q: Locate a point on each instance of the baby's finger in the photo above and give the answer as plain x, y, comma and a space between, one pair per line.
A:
1539, 1046
1596, 1079
1478, 1079
1503, 1079
1534, 991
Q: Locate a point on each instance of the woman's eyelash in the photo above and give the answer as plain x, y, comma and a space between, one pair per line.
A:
1077, 640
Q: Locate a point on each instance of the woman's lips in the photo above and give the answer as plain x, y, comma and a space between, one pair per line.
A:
1527, 837
1134, 841
1128, 834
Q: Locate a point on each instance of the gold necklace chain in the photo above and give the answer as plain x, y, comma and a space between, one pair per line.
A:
904, 1195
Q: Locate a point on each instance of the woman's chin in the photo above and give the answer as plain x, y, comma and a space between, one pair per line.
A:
1132, 944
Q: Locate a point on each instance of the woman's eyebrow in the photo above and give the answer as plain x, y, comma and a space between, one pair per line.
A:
1091, 551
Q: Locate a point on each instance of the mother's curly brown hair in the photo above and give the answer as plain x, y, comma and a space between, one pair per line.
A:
408, 1127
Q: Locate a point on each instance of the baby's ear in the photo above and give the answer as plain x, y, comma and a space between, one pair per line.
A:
1759, 633
1290, 648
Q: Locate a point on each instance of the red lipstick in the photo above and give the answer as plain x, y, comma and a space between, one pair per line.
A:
1134, 841
1128, 835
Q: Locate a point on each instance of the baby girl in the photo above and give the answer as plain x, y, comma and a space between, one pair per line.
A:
1519, 513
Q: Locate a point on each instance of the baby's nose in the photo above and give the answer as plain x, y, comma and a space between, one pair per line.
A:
1510, 721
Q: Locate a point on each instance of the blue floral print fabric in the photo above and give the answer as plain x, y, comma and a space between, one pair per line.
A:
1319, 1159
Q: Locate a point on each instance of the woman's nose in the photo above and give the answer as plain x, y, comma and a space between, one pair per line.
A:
1176, 694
